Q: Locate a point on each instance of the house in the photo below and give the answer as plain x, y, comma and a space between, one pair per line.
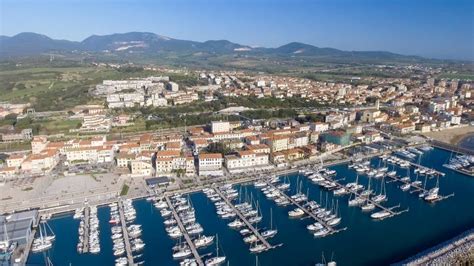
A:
248, 160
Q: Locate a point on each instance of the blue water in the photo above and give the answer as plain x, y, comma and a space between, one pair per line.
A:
365, 242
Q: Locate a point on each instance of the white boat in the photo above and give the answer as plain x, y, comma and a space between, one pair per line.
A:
315, 226
217, 260
296, 213
203, 241
258, 248
380, 215
405, 187
182, 253
368, 206
321, 233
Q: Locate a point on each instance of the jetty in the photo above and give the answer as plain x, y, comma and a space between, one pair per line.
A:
418, 188
85, 249
244, 219
126, 238
331, 229
191, 245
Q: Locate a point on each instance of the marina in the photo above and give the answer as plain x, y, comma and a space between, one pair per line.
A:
126, 238
294, 234
244, 219
191, 245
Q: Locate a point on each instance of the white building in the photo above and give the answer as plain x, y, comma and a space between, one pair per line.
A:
220, 126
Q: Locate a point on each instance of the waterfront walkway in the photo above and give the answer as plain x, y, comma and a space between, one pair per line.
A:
242, 217
128, 248
191, 245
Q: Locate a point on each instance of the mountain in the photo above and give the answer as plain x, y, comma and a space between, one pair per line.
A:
149, 44
28, 43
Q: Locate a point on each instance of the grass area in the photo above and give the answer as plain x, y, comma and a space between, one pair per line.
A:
125, 189
58, 126
463, 76
15, 146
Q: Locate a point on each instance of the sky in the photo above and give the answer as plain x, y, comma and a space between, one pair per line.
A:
429, 28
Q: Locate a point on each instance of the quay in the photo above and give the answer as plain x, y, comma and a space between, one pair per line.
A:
242, 217
191, 245
85, 249
126, 239
309, 213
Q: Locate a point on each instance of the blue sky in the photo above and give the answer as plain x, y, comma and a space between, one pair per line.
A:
431, 28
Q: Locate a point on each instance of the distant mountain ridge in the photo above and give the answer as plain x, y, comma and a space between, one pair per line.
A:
27, 44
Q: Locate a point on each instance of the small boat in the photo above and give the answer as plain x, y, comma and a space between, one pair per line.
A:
321, 233
405, 187
217, 260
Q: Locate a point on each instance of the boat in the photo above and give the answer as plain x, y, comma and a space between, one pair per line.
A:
203, 241
258, 248
296, 213
380, 215
217, 260
405, 187
182, 253
321, 233
368, 206
271, 232
315, 226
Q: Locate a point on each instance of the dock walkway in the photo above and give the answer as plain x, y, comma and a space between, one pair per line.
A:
126, 238
419, 188
191, 245
247, 223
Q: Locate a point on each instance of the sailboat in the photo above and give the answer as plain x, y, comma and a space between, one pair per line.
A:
42, 243
216, 260
337, 219
383, 194
433, 193
272, 232
407, 185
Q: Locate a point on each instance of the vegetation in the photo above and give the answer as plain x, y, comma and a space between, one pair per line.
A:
124, 190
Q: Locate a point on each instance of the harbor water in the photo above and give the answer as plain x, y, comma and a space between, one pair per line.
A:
365, 242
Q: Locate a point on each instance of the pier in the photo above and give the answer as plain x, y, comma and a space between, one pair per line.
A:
123, 223
419, 188
85, 249
247, 223
191, 245
309, 213
419, 166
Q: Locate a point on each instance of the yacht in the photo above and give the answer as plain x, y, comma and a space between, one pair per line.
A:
235, 224
203, 241
217, 260
296, 213
258, 248
380, 215
405, 187
321, 233
182, 253
368, 206
315, 226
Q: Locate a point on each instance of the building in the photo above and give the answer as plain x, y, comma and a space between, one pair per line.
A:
210, 164
246, 160
220, 127
172, 86
38, 144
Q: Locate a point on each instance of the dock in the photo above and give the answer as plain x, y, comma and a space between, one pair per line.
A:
191, 245
85, 249
419, 188
419, 166
244, 219
331, 229
123, 223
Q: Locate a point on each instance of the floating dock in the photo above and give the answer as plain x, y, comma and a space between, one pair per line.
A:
419, 188
126, 238
247, 223
191, 245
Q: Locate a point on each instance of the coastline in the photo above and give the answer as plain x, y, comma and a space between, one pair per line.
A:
461, 246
